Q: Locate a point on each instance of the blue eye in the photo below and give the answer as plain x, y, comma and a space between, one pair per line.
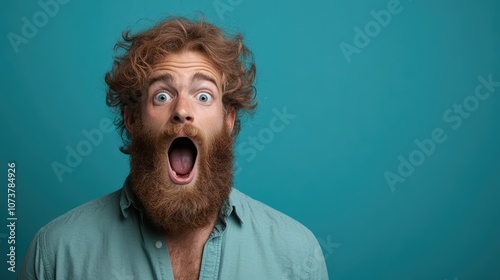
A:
162, 97
204, 97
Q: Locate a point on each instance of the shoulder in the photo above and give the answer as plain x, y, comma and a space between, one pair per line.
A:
67, 237
277, 238
81, 224
92, 213
267, 221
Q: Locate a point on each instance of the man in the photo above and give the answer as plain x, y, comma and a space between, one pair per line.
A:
179, 89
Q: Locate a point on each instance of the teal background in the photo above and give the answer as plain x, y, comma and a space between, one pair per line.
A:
326, 167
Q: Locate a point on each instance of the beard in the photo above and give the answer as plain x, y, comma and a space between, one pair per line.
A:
177, 208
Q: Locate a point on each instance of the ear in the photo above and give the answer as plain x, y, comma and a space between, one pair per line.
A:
230, 118
128, 118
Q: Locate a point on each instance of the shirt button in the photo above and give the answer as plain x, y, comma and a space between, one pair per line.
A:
158, 244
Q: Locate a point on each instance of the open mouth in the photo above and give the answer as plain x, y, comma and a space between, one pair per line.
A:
182, 156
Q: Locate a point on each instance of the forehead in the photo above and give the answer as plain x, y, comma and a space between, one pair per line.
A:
187, 64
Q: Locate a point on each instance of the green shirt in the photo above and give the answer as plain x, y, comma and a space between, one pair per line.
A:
110, 238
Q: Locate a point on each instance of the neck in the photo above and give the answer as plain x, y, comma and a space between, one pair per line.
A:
186, 250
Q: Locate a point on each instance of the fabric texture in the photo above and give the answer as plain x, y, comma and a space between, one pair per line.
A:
111, 238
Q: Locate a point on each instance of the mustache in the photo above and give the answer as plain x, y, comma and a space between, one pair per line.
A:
141, 133
176, 129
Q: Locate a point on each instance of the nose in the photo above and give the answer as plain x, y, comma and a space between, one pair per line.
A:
182, 111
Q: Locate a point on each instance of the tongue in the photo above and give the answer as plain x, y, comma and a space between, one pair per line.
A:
181, 160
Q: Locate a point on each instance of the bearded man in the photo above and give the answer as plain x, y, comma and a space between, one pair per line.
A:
179, 89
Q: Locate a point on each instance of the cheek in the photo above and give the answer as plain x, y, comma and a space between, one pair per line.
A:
152, 117
213, 122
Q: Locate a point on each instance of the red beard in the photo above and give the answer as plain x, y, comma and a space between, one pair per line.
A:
178, 208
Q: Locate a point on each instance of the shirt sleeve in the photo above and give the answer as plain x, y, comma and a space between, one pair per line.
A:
317, 265
33, 266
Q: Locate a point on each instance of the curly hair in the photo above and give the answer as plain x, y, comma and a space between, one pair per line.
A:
130, 74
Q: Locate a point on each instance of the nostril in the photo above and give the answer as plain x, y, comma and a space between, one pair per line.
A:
179, 118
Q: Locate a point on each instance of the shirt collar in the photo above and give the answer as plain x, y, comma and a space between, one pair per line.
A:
128, 199
231, 207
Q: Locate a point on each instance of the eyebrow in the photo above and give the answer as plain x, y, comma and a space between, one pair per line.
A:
168, 78
198, 76
164, 77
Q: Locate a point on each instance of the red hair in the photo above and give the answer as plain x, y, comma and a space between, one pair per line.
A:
131, 71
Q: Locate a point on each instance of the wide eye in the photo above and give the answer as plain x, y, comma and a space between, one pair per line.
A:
162, 97
204, 97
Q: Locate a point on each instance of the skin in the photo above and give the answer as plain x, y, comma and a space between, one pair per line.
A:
185, 88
